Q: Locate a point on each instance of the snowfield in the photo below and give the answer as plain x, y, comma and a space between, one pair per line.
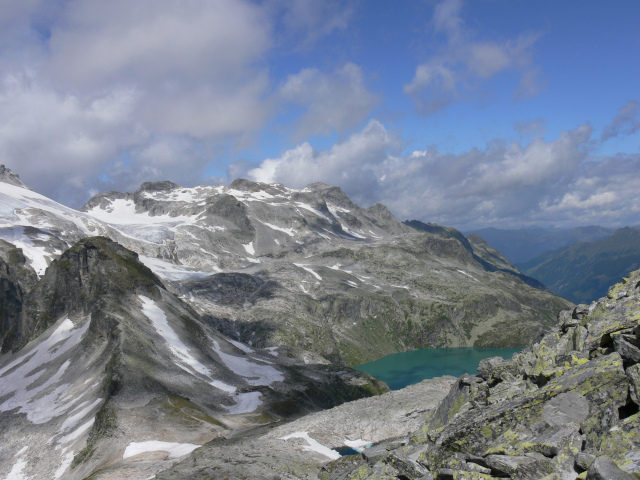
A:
175, 450
185, 360
19, 380
313, 445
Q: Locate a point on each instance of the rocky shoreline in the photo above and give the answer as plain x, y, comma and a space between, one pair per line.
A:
565, 408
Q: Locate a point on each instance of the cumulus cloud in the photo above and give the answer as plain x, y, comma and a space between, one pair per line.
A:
96, 95
536, 127
334, 102
310, 20
626, 122
48, 135
456, 72
505, 184
102, 95
198, 63
65, 146
355, 164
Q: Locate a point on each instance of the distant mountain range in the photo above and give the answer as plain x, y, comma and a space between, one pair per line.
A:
578, 264
582, 272
522, 245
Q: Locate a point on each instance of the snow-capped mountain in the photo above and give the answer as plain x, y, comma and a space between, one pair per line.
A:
119, 369
217, 228
270, 265
148, 323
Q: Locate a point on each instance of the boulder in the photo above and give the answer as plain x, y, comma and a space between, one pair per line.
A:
603, 468
633, 374
626, 349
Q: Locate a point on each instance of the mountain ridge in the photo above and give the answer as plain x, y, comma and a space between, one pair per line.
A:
110, 359
582, 272
343, 272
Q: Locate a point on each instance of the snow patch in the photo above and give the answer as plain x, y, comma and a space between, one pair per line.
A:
175, 450
66, 461
186, 361
468, 275
313, 445
23, 372
288, 231
241, 346
16, 471
73, 420
300, 265
313, 210
73, 436
22, 450
171, 271
254, 373
245, 403
249, 248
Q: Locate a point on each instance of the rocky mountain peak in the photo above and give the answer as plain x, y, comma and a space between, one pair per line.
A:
76, 280
244, 185
160, 186
7, 176
102, 200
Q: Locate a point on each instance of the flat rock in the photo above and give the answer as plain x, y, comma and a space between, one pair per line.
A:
603, 468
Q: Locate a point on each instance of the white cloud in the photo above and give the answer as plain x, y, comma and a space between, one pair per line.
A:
305, 22
45, 135
334, 102
96, 95
199, 64
161, 42
355, 164
505, 184
626, 122
455, 73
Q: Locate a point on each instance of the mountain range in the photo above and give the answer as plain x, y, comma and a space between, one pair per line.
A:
146, 324
522, 245
583, 271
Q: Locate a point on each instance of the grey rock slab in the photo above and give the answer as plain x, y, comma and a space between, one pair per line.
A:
603, 468
633, 374
626, 350
584, 460
508, 464
566, 408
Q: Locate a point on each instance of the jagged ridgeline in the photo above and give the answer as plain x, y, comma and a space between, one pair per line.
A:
108, 364
268, 265
565, 408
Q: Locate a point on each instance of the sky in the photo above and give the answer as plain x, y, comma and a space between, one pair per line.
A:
483, 113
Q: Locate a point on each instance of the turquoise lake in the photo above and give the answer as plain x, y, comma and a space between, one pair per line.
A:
406, 368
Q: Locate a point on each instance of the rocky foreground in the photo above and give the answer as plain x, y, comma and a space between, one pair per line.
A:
565, 408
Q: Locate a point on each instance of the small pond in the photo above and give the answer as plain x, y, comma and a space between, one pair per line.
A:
406, 368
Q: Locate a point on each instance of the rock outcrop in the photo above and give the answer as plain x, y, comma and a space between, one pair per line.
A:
565, 408
114, 369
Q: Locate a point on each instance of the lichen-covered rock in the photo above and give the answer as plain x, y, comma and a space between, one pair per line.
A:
603, 468
622, 444
633, 374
